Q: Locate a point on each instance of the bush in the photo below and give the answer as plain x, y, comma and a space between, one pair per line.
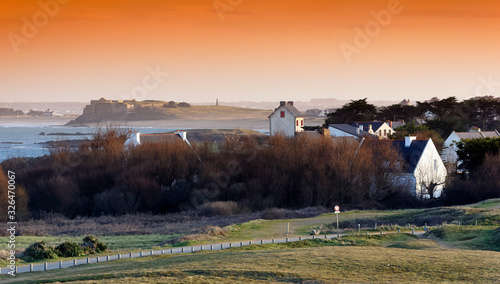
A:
92, 245
39, 251
69, 249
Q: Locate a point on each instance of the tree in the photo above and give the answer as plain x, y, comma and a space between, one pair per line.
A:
422, 132
397, 112
482, 111
472, 152
358, 110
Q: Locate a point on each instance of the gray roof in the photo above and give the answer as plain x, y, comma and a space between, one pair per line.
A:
479, 134
351, 130
295, 112
366, 125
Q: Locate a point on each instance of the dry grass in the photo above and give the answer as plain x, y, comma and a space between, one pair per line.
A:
271, 264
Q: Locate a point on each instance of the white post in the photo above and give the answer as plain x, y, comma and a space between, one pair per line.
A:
74, 262
45, 266
60, 264
31, 267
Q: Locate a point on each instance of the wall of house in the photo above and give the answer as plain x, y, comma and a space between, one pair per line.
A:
430, 169
380, 132
449, 154
299, 123
282, 125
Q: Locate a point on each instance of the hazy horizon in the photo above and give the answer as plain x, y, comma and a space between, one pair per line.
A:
76, 51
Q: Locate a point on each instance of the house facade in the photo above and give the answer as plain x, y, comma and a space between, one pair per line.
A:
424, 172
449, 154
286, 120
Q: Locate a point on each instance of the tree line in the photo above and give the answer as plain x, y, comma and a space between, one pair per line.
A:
104, 176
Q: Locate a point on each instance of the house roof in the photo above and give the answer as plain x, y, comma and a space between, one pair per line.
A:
295, 112
159, 138
411, 155
366, 125
479, 134
351, 130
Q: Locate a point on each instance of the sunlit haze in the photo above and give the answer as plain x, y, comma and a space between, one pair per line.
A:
260, 50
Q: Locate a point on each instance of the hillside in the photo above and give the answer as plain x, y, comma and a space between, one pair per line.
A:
119, 112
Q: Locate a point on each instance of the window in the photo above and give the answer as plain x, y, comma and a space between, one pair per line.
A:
282, 114
385, 132
301, 123
297, 122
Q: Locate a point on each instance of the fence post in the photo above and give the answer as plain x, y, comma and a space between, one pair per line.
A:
367, 233
221, 246
119, 256
261, 242
412, 232
375, 226
241, 244
381, 232
286, 240
249, 242
182, 250
140, 254
359, 228
192, 249
60, 264
107, 257
273, 241
16, 269
476, 222
152, 252
171, 250
230, 245
408, 225
459, 222
399, 231
87, 260
300, 238
45, 266
74, 262
31, 267
130, 255
98, 259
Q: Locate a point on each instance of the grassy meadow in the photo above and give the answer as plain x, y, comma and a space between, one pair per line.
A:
449, 253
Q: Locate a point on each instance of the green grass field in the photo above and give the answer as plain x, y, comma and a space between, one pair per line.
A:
360, 259
450, 253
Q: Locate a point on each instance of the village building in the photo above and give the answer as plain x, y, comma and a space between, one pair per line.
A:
345, 130
286, 120
379, 128
449, 154
424, 172
137, 138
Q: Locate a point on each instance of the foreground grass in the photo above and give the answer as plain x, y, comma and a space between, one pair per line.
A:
468, 237
357, 259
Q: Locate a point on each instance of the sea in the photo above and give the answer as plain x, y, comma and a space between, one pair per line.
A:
29, 140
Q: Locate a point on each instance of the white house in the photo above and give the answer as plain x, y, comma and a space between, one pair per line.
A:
379, 128
449, 154
137, 138
286, 120
423, 172
345, 130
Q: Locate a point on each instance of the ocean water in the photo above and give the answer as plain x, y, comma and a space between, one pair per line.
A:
24, 141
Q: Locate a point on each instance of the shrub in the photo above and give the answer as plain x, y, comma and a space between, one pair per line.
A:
69, 249
39, 251
92, 245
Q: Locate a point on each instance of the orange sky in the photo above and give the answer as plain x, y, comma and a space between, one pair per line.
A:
261, 50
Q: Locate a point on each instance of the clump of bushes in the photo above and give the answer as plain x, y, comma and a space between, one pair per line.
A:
40, 250
92, 245
69, 249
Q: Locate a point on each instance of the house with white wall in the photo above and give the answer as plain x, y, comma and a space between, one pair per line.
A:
379, 128
286, 120
449, 154
423, 170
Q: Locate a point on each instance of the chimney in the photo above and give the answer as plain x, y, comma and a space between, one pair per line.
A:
390, 123
181, 134
360, 128
408, 140
370, 128
290, 103
282, 103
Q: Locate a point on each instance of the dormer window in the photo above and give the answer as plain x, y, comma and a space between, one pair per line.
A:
282, 114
